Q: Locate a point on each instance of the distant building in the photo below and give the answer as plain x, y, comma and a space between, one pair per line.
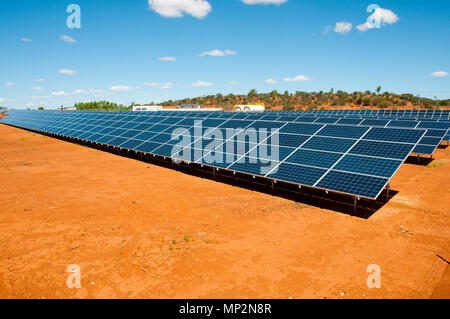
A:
147, 108
67, 108
189, 106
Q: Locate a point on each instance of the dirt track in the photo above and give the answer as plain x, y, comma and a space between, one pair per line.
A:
142, 231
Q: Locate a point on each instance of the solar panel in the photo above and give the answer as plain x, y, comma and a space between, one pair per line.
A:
364, 186
352, 159
298, 174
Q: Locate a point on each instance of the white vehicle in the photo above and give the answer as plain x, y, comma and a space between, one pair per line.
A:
147, 108
249, 108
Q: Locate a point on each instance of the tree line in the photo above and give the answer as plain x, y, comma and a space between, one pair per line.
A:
314, 100
299, 100
102, 105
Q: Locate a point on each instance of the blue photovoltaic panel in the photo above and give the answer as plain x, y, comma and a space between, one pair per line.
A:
355, 184
326, 120
349, 121
394, 135
131, 144
382, 149
239, 148
252, 166
329, 144
292, 140
298, 128
287, 118
343, 131
435, 133
297, 174
301, 157
278, 152
314, 158
147, 147
405, 124
434, 125
430, 141
375, 123
368, 165
304, 119
424, 149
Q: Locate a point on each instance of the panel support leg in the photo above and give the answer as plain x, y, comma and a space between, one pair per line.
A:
273, 185
355, 204
388, 187
418, 158
214, 173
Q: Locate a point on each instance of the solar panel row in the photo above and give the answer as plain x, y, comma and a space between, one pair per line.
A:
355, 160
381, 113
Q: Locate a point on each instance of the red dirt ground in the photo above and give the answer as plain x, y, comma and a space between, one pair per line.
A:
142, 231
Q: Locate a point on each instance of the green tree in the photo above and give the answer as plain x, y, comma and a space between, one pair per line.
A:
378, 89
252, 93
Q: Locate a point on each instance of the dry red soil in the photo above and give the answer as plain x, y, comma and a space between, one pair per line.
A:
143, 231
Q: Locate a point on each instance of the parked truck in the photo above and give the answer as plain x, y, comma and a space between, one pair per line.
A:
249, 108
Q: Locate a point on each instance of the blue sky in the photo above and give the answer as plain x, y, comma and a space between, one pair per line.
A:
218, 46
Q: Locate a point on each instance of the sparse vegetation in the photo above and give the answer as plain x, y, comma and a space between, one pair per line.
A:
299, 206
435, 164
102, 105
313, 100
299, 100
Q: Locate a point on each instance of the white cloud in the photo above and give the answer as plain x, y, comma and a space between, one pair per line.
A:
59, 93
167, 59
167, 85
152, 84
298, 78
2, 100
364, 27
201, 84
270, 81
25, 40
123, 88
96, 91
37, 88
277, 2
10, 83
379, 18
35, 97
218, 53
439, 74
67, 72
39, 80
79, 92
176, 8
234, 83
343, 27
68, 39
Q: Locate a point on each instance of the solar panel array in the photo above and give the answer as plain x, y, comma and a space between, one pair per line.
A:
311, 151
418, 114
438, 127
